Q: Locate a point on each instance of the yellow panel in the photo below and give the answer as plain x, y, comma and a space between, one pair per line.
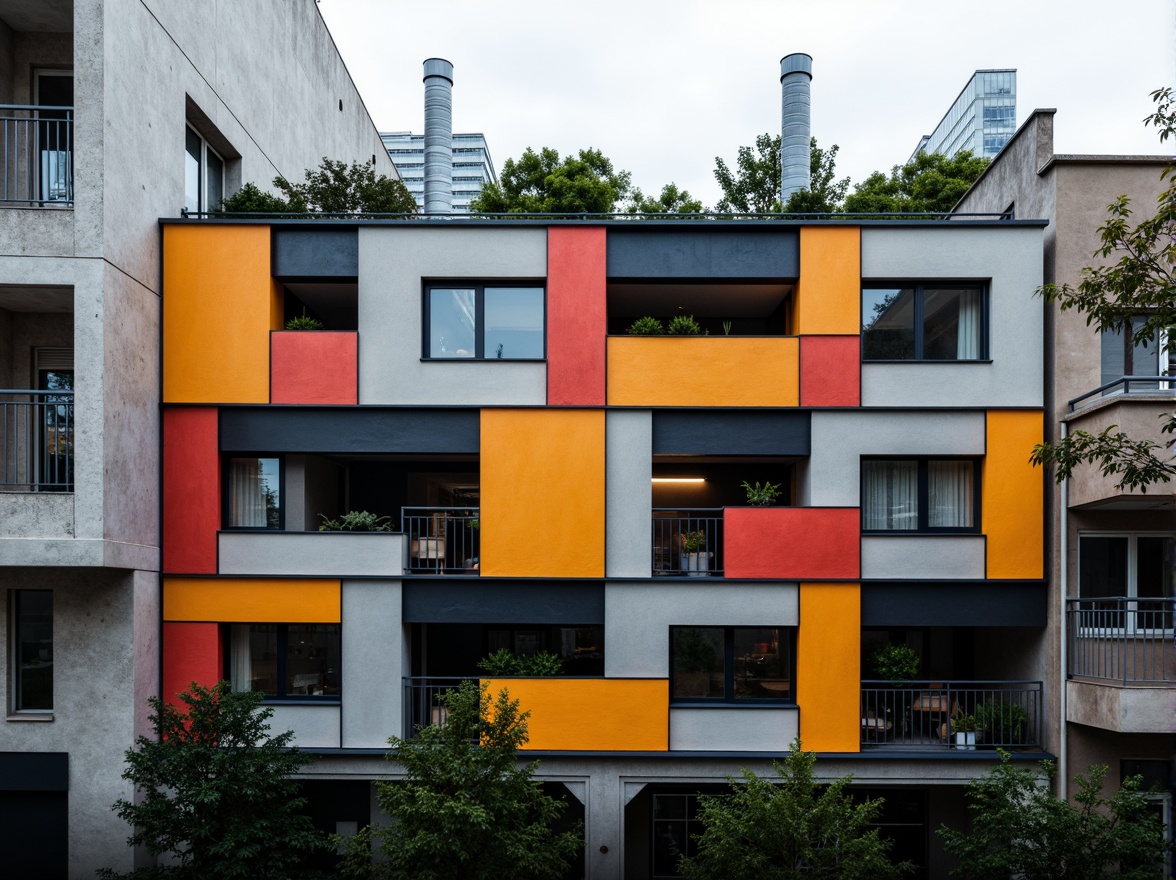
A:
592, 714
828, 296
251, 600
828, 667
542, 493
1013, 503
703, 371
219, 304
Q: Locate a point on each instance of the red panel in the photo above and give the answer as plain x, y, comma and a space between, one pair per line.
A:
576, 316
191, 653
830, 371
191, 490
793, 543
314, 367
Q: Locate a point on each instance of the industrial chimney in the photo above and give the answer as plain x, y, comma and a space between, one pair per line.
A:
438, 136
796, 72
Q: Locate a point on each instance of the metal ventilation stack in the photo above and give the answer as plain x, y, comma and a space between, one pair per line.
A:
796, 73
438, 136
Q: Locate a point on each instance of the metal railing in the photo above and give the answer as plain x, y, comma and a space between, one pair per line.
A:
422, 703
442, 540
36, 441
1122, 639
36, 155
1007, 714
1123, 385
688, 541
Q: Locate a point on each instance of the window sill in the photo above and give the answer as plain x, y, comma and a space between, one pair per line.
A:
866, 363
474, 360
302, 701
731, 704
29, 716
913, 533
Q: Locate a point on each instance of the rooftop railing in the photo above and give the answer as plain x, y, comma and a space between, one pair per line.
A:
442, 540
927, 714
557, 216
36, 155
36, 441
1125, 385
1124, 639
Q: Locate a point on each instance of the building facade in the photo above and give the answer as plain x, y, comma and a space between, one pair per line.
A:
472, 166
555, 484
113, 114
981, 119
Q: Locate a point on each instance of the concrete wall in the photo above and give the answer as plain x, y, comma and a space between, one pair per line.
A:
296, 554
374, 662
629, 495
904, 557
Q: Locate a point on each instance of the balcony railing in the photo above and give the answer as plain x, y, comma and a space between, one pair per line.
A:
36, 441
36, 155
919, 714
1122, 639
1154, 385
688, 541
442, 540
422, 703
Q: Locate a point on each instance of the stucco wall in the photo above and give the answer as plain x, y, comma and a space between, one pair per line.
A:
629, 498
373, 663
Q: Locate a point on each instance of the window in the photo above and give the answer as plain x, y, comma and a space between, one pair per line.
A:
32, 650
204, 173
1130, 565
579, 648
254, 496
731, 664
484, 322
920, 495
924, 323
1127, 352
286, 660
675, 825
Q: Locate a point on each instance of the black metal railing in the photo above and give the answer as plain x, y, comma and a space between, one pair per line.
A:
1121, 638
1125, 385
36, 155
36, 441
688, 541
442, 540
422, 701
929, 714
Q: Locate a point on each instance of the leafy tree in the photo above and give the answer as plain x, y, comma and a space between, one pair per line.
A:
216, 791
930, 183
825, 194
1019, 829
251, 200
790, 828
754, 186
671, 201
1139, 283
540, 183
332, 188
465, 810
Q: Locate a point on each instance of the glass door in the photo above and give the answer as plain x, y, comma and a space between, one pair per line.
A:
54, 146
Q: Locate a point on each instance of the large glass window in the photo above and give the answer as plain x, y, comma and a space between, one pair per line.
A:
923, 323
1131, 565
32, 640
920, 495
732, 664
204, 173
287, 660
254, 493
484, 322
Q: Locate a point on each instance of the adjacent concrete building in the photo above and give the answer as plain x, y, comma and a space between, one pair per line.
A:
981, 118
112, 115
472, 166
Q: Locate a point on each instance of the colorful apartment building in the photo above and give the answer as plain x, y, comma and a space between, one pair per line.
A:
556, 484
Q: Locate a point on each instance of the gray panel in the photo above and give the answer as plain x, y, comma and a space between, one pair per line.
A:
349, 429
702, 253
629, 498
372, 663
437, 600
315, 253
731, 432
322, 554
733, 729
313, 726
983, 603
923, 557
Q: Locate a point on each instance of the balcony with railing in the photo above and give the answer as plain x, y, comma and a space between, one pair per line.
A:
36, 156
688, 542
36, 441
442, 540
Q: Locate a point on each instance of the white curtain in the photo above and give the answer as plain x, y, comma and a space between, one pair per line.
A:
949, 494
968, 344
240, 658
246, 494
891, 492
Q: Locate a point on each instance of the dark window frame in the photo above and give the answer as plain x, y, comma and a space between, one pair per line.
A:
479, 288
280, 660
923, 496
920, 287
16, 678
226, 504
729, 698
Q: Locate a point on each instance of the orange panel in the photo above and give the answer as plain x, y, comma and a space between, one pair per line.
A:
219, 305
576, 316
703, 371
792, 542
542, 504
251, 600
314, 367
828, 667
191, 653
592, 714
829, 293
1013, 502
830, 371
191, 489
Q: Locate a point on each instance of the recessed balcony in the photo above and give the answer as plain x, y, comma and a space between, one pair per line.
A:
36, 156
36, 440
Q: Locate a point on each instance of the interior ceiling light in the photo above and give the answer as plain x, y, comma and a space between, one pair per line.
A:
678, 479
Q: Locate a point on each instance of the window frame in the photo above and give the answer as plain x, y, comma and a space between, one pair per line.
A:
226, 497
479, 287
923, 496
15, 677
203, 203
280, 663
919, 287
729, 699
1132, 572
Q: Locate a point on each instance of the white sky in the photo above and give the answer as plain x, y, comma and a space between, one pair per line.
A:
664, 86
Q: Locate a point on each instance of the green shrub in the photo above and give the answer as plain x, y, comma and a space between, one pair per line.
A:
761, 496
503, 662
251, 200
304, 322
646, 326
356, 521
895, 663
1001, 720
684, 325
694, 542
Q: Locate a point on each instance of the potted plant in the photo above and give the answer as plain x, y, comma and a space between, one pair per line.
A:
304, 322
684, 325
503, 662
356, 521
694, 553
1002, 721
897, 664
964, 728
761, 496
646, 326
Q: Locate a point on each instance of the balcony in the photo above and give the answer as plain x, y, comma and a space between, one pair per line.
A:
688, 542
36, 156
36, 441
442, 540
918, 715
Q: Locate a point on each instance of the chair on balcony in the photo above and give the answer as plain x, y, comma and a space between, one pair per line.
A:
873, 727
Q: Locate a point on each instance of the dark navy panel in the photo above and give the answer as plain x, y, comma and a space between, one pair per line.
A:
703, 253
954, 603
433, 600
731, 432
34, 771
349, 429
315, 253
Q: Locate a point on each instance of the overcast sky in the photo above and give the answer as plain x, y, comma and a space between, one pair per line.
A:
664, 86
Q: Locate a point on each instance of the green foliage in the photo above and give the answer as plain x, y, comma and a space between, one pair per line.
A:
333, 188
929, 183
216, 792
1019, 829
251, 200
465, 810
825, 194
671, 201
684, 325
504, 662
1002, 720
726, 328
790, 828
963, 724
544, 183
356, 521
761, 496
694, 542
895, 663
646, 326
754, 186
1134, 279
304, 322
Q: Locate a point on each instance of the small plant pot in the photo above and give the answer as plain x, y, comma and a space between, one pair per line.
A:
696, 564
966, 740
